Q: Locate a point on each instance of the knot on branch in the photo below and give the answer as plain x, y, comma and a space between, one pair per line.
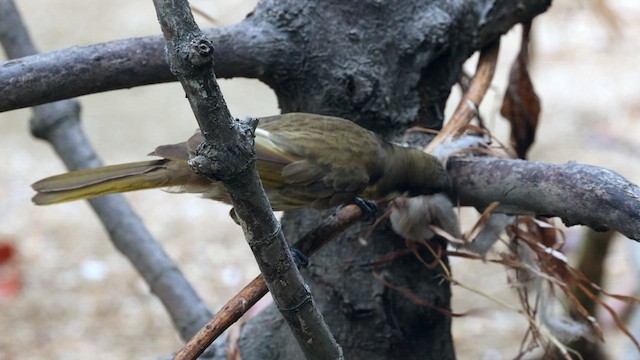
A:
226, 160
47, 118
199, 51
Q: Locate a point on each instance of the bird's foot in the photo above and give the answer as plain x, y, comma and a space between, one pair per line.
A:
368, 207
301, 260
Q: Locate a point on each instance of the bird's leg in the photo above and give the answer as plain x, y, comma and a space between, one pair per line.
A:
367, 206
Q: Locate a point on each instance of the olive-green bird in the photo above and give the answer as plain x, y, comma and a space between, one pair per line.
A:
304, 160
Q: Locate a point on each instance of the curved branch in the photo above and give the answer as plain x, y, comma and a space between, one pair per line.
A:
59, 124
578, 194
32, 80
255, 47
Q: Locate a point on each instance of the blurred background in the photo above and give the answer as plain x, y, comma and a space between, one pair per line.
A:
66, 293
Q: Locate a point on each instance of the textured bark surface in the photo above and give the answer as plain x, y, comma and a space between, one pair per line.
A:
227, 154
578, 194
243, 50
386, 62
369, 319
388, 66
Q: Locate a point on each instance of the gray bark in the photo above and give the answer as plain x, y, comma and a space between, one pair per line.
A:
578, 194
369, 319
387, 66
227, 154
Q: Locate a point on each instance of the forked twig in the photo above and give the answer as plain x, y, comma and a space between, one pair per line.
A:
256, 289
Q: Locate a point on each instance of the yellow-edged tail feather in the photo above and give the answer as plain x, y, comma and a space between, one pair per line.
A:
90, 183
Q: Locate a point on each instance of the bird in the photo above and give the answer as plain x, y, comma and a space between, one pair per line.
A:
304, 161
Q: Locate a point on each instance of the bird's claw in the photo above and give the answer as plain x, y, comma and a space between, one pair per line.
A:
368, 207
299, 258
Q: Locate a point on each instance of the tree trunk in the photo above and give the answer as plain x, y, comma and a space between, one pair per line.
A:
386, 65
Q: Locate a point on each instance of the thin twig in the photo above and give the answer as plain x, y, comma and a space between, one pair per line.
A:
468, 107
231, 312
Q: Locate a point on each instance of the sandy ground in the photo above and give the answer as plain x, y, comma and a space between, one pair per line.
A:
81, 299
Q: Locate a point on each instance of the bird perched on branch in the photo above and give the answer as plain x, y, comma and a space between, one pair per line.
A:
304, 160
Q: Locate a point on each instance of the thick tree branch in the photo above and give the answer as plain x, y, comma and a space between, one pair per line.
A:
578, 194
260, 47
59, 124
227, 154
37, 79
387, 65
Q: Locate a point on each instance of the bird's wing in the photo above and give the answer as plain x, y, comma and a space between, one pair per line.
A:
271, 160
306, 159
320, 148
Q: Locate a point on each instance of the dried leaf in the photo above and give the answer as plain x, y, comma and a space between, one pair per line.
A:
521, 105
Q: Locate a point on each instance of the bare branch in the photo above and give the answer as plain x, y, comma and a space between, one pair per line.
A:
227, 154
59, 123
13, 34
577, 193
256, 47
257, 288
126, 63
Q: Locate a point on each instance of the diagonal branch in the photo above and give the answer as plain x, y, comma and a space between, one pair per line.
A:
237, 306
468, 106
59, 124
227, 154
577, 193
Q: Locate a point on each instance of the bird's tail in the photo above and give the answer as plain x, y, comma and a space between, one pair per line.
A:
90, 183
